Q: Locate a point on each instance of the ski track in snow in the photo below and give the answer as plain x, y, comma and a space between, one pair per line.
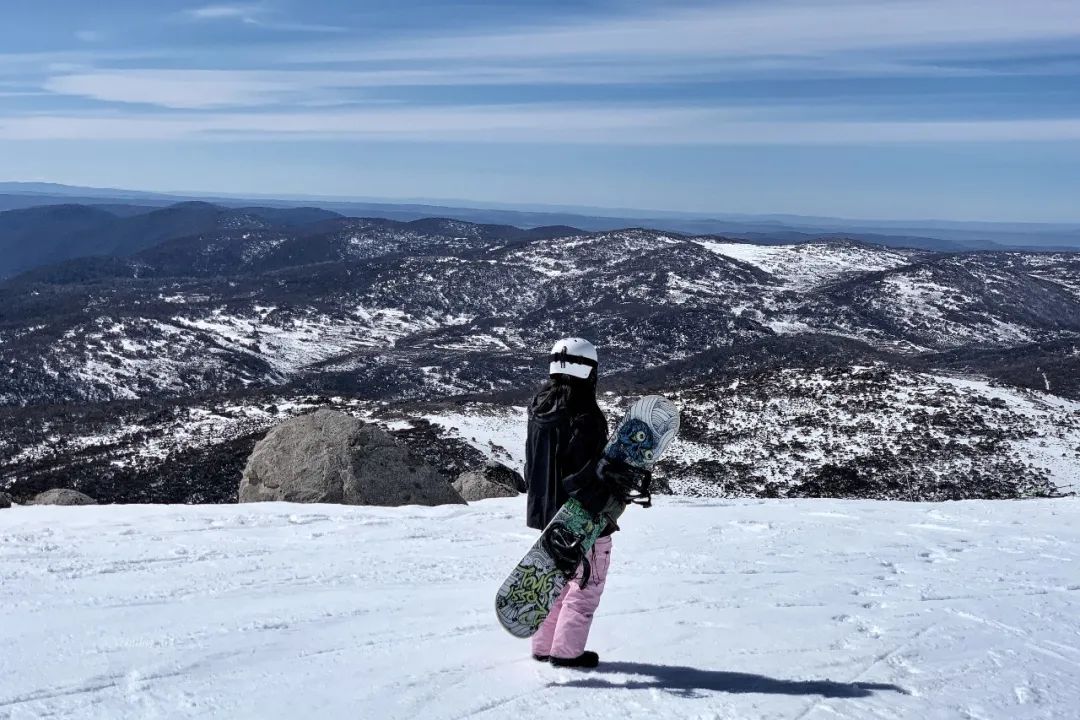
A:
714, 609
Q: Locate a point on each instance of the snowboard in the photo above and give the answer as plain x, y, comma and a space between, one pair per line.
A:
527, 595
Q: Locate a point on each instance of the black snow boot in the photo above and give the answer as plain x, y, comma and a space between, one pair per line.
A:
587, 659
541, 658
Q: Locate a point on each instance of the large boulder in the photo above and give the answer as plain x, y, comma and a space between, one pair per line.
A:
330, 457
493, 481
5, 500
62, 496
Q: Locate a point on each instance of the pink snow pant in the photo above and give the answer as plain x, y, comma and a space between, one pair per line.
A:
566, 629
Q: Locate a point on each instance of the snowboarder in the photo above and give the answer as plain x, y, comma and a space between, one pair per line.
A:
566, 437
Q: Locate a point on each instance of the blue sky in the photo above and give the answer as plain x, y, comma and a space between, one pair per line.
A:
959, 109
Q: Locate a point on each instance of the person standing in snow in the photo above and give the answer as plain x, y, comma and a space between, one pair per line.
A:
563, 459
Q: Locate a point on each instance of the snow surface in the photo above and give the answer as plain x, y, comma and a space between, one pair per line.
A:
714, 609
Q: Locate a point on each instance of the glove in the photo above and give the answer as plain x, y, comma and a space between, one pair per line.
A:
625, 482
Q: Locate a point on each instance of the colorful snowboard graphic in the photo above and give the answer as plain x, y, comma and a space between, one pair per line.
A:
526, 596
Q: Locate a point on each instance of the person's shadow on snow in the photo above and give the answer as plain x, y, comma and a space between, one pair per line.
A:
690, 682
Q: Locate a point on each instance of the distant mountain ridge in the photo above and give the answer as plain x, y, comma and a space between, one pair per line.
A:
40, 237
43, 235
366, 304
925, 234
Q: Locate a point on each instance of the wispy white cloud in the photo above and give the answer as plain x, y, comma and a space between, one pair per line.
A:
180, 89
603, 125
216, 89
210, 89
29, 66
779, 28
304, 27
244, 13
486, 123
255, 15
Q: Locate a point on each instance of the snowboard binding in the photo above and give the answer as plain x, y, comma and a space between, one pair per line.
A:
565, 548
568, 551
627, 484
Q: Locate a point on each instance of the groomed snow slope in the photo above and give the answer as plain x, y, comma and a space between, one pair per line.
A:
747, 609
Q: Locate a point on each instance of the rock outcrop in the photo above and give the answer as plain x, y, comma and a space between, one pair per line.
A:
493, 481
331, 457
62, 496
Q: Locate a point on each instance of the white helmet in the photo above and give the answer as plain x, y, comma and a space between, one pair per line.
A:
574, 357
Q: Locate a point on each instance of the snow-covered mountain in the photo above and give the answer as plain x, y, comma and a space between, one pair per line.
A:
741, 608
149, 376
266, 308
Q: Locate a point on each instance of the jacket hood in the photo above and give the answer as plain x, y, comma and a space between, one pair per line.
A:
562, 395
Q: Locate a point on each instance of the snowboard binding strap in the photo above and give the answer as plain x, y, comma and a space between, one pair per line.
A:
566, 550
564, 547
633, 488
639, 497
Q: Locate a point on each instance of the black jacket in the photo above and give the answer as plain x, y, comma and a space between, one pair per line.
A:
567, 434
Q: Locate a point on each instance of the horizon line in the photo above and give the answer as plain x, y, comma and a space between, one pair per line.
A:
585, 211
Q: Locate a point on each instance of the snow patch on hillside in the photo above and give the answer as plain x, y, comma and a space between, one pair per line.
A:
498, 434
291, 343
917, 300
807, 265
1055, 446
787, 425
